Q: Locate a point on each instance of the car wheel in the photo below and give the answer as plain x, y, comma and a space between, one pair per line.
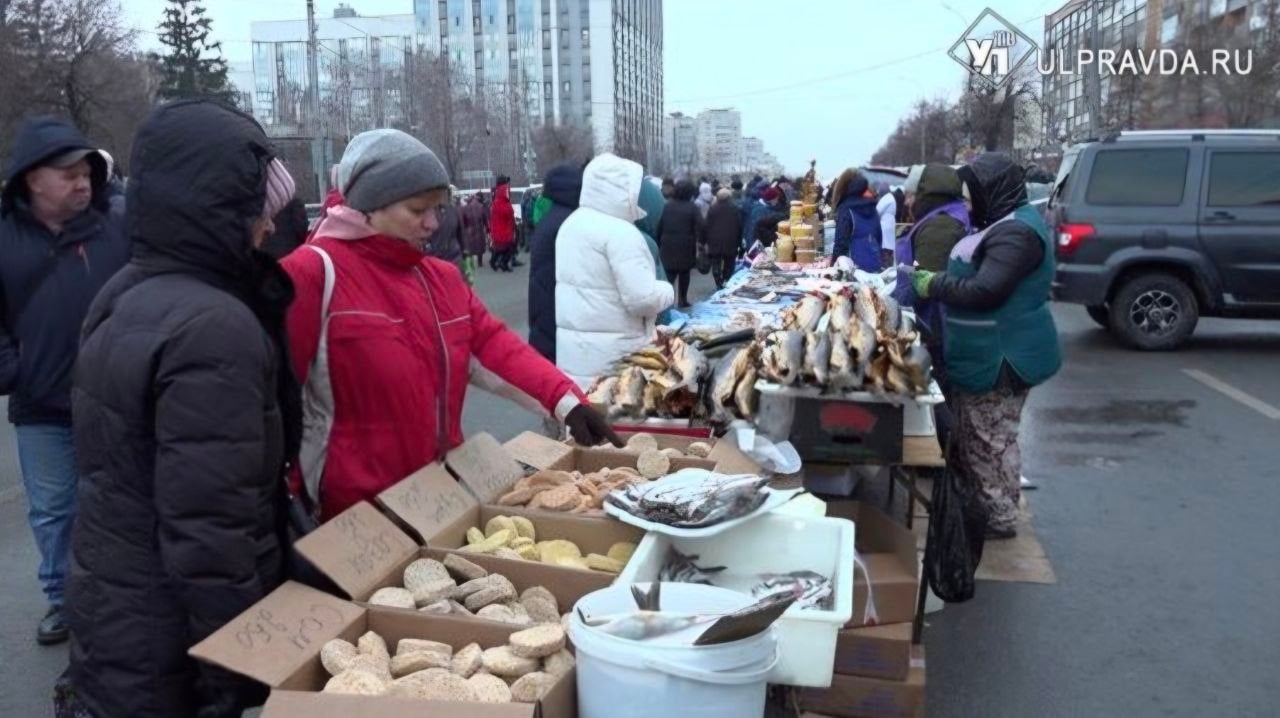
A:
1154, 312
1100, 314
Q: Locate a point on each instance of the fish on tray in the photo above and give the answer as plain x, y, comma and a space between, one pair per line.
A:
681, 568
692, 498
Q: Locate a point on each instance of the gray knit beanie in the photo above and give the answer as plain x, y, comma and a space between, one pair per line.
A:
382, 167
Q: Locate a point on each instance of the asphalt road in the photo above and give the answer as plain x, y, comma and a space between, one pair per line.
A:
1156, 508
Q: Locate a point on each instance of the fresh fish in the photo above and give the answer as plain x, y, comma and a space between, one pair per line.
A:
744, 396
878, 372
629, 398
817, 357
841, 310
692, 498
866, 305
810, 589
861, 338
680, 568
643, 625
605, 388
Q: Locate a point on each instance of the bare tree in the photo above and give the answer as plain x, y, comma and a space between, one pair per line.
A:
558, 144
928, 134
990, 115
446, 113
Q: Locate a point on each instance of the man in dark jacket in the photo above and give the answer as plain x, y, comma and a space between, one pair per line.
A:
61, 239
724, 236
185, 409
562, 187
680, 231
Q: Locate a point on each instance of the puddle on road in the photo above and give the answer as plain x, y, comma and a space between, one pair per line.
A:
1125, 412
1105, 437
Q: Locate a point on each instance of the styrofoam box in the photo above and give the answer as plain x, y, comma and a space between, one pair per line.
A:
774, 543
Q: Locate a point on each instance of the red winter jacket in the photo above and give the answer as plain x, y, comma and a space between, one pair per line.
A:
387, 404
502, 219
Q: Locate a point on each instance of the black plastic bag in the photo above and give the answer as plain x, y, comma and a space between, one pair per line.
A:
957, 531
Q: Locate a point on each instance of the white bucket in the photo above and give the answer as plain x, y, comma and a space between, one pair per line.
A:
668, 676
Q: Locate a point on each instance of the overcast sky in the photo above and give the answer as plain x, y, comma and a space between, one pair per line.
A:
824, 79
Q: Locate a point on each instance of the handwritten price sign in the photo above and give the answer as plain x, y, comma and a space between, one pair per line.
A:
428, 501
298, 632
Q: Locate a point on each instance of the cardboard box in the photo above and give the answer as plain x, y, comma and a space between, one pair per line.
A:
888, 553
361, 551
278, 641
875, 651
541, 452
860, 697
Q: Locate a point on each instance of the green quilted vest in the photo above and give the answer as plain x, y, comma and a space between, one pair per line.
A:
1020, 332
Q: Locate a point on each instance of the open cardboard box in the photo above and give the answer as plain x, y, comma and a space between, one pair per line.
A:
861, 697
361, 550
541, 452
278, 640
888, 551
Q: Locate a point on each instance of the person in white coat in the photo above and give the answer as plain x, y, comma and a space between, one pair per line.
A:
887, 208
607, 296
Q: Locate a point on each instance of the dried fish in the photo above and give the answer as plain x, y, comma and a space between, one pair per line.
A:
629, 399
817, 357
840, 307
604, 391
725, 379
744, 396
783, 356
845, 373
866, 306
861, 338
692, 498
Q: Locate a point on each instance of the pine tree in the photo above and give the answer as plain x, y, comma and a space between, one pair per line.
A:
187, 72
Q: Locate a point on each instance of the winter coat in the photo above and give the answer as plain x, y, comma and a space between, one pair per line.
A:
446, 243
386, 378
561, 189
933, 240
652, 203
759, 211
502, 219
47, 283
705, 199
291, 230
858, 232
996, 288
475, 225
185, 410
606, 292
680, 231
724, 229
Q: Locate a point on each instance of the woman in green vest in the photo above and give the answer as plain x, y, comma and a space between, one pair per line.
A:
1000, 339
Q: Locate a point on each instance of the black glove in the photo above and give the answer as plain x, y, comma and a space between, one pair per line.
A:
588, 428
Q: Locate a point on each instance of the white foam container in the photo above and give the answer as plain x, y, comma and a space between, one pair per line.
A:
668, 675
774, 543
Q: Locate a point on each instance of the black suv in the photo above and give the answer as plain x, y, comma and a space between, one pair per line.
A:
1157, 229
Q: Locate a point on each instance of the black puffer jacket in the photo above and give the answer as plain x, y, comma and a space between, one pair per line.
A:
563, 186
724, 229
184, 407
1009, 252
680, 231
48, 282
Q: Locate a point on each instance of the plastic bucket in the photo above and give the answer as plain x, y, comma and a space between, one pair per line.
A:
668, 676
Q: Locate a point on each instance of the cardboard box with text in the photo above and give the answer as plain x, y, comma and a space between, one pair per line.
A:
278, 640
875, 651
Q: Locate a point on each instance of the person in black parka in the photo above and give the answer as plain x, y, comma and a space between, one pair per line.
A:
185, 409
563, 185
724, 236
680, 231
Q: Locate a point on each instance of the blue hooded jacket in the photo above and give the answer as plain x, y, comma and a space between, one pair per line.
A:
858, 228
47, 282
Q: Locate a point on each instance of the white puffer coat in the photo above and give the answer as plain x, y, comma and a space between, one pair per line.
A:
606, 295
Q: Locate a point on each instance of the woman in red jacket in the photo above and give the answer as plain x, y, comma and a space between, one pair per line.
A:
502, 227
385, 338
